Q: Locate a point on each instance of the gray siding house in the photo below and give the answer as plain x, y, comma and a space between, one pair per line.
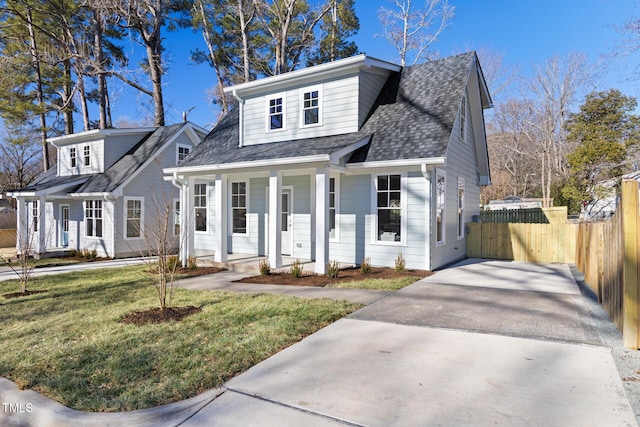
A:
354, 159
106, 187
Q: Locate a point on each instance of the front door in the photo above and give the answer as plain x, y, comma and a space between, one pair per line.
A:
64, 225
287, 231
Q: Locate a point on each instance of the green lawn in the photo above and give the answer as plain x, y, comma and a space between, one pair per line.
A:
378, 284
68, 343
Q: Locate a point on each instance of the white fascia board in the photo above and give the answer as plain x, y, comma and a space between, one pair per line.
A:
86, 195
225, 167
431, 161
337, 155
310, 74
46, 191
96, 134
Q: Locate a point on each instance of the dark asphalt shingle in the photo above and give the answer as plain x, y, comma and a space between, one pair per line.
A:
412, 118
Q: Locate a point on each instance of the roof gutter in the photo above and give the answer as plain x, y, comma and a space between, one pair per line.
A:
240, 118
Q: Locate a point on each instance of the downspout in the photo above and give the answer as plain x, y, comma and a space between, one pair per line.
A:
241, 119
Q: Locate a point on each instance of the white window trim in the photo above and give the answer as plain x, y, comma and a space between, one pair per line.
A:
73, 156
178, 147
440, 172
85, 156
403, 206
230, 205
124, 218
336, 237
206, 207
84, 225
463, 119
307, 90
461, 227
174, 216
282, 95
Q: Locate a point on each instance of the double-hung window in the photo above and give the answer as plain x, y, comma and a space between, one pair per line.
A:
239, 207
93, 218
311, 106
87, 155
334, 199
389, 208
463, 118
182, 152
176, 217
133, 217
200, 206
275, 112
34, 215
440, 206
460, 207
73, 157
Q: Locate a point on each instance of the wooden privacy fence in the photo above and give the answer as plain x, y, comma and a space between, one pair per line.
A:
7, 238
607, 253
534, 215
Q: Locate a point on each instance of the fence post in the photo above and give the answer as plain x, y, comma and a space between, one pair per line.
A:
630, 216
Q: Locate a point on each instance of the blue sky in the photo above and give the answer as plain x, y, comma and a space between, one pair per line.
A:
524, 31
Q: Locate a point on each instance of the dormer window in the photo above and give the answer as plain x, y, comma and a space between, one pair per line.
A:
73, 159
87, 155
182, 152
311, 106
275, 119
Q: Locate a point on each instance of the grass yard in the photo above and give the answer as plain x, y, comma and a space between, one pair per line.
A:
390, 284
69, 344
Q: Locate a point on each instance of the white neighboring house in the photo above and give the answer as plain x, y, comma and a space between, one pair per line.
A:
605, 206
104, 188
353, 159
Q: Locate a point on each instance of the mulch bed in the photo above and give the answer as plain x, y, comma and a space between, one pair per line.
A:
22, 294
157, 315
200, 271
346, 275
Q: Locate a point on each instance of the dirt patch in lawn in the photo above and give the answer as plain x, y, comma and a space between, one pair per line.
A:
22, 294
345, 275
200, 271
157, 315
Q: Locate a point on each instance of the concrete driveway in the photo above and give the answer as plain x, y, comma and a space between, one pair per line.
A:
482, 343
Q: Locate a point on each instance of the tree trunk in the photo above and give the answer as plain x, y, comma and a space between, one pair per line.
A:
102, 78
39, 91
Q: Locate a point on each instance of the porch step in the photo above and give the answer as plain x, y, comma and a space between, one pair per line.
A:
239, 266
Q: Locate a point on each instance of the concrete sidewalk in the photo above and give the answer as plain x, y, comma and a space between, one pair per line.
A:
481, 343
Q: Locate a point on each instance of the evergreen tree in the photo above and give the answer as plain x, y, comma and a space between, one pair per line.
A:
336, 27
604, 129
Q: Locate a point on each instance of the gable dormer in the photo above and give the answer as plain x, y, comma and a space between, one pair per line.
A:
95, 151
328, 99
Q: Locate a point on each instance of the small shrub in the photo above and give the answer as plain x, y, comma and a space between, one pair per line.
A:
173, 262
192, 263
86, 253
93, 254
401, 263
333, 269
73, 253
365, 266
296, 269
264, 267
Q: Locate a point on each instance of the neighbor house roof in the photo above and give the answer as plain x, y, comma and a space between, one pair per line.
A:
412, 118
111, 179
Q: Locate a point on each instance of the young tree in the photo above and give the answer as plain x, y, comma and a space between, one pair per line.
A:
413, 30
603, 129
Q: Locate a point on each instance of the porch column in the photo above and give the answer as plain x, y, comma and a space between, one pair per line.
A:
322, 220
275, 219
185, 232
428, 208
220, 225
22, 225
189, 221
42, 235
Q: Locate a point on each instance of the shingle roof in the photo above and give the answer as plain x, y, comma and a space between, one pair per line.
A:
412, 118
48, 179
222, 146
415, 111
117, 174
